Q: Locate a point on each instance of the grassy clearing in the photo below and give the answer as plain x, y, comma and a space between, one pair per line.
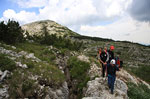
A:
138, 92
39, 51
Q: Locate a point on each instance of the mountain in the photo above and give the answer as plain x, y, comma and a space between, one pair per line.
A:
37, 28
65, 70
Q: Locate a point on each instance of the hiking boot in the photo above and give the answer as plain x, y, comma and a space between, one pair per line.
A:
109, 86
112, 92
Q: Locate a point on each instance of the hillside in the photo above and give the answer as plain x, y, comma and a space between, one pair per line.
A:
65, 70
37, 28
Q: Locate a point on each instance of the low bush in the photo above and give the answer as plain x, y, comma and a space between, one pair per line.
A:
6, 63
78, 71
138, 92
141, 72
20, 86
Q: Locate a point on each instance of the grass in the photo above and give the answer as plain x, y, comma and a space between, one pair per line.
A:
21, 84
39, 51
6, 63
78, 70
142, 72
138, 92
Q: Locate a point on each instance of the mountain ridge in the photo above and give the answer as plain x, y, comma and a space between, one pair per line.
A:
36, 28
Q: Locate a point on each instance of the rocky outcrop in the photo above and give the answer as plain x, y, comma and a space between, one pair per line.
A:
98, 89
83, 58
61, 93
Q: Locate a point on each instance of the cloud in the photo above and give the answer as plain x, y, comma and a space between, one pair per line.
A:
79, 12
30, 3
22, 16
124, 29
140, 10
101, 18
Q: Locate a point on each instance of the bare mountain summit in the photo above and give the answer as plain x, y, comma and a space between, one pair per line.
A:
37, 28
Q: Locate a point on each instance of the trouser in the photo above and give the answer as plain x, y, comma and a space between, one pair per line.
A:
111, 81
103, 70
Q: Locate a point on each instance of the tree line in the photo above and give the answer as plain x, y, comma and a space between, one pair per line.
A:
11, 32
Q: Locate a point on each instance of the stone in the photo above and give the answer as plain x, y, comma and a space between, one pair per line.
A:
83, 58
4, 75
31, 55
13, 47
59, 92
98, 89
21, 65
1, 73
4, 92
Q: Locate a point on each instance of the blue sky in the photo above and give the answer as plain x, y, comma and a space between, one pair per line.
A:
116, 19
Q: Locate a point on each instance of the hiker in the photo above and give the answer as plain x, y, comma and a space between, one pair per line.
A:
99, 52
111, 53
111, 73
103, 60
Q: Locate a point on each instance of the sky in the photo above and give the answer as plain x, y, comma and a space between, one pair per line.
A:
124, 20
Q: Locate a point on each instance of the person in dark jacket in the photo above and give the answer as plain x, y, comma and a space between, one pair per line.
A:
111, 73
103, 59
111, 53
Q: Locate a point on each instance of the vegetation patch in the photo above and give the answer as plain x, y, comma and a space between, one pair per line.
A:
78, 70
24, 83
138, 92
6, 63
141, 72
39, 51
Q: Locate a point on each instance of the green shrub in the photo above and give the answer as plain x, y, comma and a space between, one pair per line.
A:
6, 63
78, 71
138, 92
20, 86
141, 72
59, 41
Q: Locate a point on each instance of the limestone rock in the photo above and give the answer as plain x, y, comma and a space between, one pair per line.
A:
83, 58
98, 89
61, 93
4, 75
4, 92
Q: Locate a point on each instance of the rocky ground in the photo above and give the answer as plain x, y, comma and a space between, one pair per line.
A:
96, 88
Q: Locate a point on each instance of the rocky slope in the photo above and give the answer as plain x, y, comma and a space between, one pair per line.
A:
32, 70
37, 28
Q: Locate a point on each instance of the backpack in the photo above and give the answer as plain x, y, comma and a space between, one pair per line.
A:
121, 63
118, 62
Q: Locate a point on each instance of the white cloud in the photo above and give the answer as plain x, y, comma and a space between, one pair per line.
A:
73, 12
85, 16
22, 16
123, 29
30, 3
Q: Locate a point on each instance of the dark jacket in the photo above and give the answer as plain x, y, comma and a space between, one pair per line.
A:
111, 70
103, 56
111, 55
